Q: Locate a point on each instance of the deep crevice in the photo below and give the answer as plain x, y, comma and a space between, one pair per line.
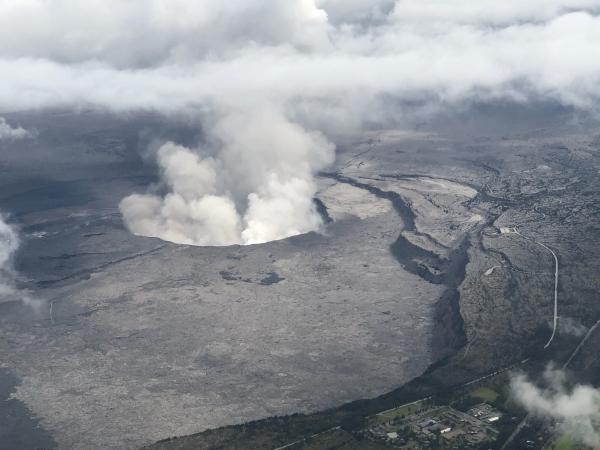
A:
449, 334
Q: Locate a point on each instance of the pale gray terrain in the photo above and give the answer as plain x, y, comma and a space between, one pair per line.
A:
131, 339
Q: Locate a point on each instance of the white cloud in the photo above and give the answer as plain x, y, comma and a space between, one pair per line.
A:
152, 32
430, 14
361, 12
576, 409
553, 59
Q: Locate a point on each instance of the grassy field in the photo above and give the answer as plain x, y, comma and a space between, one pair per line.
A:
565, 442
401, 412
485, 394
337, 439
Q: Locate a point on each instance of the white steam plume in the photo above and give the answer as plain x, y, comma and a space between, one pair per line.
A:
577, 409
258, 188
9, 243
12, 133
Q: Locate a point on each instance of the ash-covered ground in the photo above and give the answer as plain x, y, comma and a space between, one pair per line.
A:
135, 339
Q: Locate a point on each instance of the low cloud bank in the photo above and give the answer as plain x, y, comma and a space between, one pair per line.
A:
576, 408
170, 55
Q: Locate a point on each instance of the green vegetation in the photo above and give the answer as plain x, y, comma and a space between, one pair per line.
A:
346, 427
337, 439
565, 442
402, 411
485, 393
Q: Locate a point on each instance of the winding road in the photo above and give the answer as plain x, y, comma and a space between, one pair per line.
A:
555, 284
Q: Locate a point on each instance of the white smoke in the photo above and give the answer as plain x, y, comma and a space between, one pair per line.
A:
258, 188
9, 243
576, 409
12, 133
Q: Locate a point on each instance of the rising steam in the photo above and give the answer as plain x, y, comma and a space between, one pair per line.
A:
576, 408
259, 187
12, 133
9, 243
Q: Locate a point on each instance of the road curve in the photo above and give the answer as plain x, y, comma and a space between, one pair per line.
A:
581, 344
555, 292
555, 324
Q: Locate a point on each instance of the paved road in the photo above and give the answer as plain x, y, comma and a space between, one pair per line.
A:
555, 324
581, 344
555, 284
402, 406
299, 441
555, 292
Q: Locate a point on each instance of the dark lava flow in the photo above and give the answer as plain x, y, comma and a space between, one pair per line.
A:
18, 429
449, 333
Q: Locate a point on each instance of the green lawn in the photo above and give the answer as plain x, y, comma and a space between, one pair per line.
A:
485, 393
337, 439
565, 442
400, 412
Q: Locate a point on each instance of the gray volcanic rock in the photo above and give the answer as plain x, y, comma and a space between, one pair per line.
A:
167, 327
209, 336
135, 339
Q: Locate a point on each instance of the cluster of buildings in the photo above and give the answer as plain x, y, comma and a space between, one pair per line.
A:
439, 427
485, 412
